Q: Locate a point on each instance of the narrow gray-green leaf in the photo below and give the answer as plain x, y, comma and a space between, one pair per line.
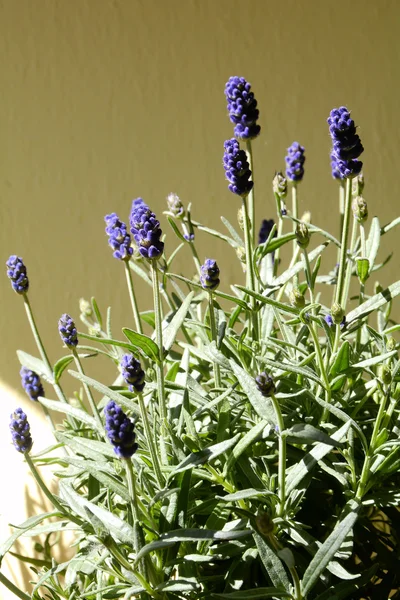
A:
373, 241
143, 342
303, 433
23, 528
247, 440
103, 389
36, 365
264, 299
98, 471
245, 495
272, 563
375, 302
170, 332
205, 455
261, 405
375, 360
62, 407
299, 266
254, 594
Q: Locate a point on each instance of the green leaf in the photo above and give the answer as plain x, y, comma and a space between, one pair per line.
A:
342, 360
375, 360
299, 266
187, 584
328, 549
233, 232
99, 473
261, 405
61, 365
304, 433
296, 473
36, 365
254, 594
245, 495
205, 455
170, 332
292, 368
218, 293
97, 312
62, 407
362, 269
93, 449
108, 341
146, 344
247, 440
347, 589
176, 229
285, 308
373, 241
373, 303
272, 563
22, 529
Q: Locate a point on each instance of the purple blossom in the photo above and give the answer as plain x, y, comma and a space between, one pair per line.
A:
294, 162
16, 272
329, 321
67, 331
132, 373
336, 174
118, 237
31, 383
209, 276
242, 108
347, 145
120, 430
20, 431
237, 169
146, 230
265, 384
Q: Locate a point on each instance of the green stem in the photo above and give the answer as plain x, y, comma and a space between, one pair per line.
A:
295, 216
249, 268
282, 455
150, 442
322, 367
132, 297
88, 391
279, 234
249, 152
196, 259
12, 588
308, 273
343, 248
217, 374
162, 402
349, 266
130, 476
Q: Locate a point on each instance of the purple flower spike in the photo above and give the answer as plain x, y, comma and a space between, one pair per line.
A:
133, 373
237, 169
118, 237
20, 431
209, 276
347, 145
294, 162
16, 272
146, 230
67, 331
336, 174
120, 431
242, 108
31, 383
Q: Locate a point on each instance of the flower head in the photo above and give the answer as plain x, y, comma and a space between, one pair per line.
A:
336, 174
209, 276
279, 185
146, 230
20, 431
16, 271
118, 237
237, 169
175, 206
347, 145
132, 372
294, 162
265, 230
120, 431
31, 383
242, 108
67, 331
330, 322
265, 384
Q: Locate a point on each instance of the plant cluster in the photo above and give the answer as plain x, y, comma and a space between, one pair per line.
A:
249, 445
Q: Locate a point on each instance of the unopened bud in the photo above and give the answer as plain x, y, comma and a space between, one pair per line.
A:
85, 307
265, 384
265, 524
358, 185
175, 206
296, 298
279, 185
385, 374
302, 235
241, 254
337, 313
390, 344
240, 218
360, 209
378, 288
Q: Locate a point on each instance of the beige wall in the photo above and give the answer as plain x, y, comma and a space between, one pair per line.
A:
106, 100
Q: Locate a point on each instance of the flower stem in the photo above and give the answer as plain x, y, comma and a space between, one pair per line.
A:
350, 263
150, 442
132, 296
249, 152
282, 455
88, 391
217, 374
249, 267
343, 249
295, 216
162, 402
130, 476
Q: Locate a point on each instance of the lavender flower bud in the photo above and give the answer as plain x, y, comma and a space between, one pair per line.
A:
302, 235
237, 170
360, 209
133, 373
391, 344
67, 331
294, 162
20, 431
31, 383
16, 272
146, 230
118, 237
385, 374
265, 230
279, 185
265, 384
241, 254
175, 206
242, 108
358, 185
85, 307
240, 218
296, 298
329, 321
209, 276
336, 174
337, 313
189, 237
347, 145
120, 430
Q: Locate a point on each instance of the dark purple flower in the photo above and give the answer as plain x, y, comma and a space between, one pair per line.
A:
329, 321
133, 373
16, 272
265, 384
347, 145
146, 230
265, 230
209, 276
118, 237
120, 430
336, 174
294, 162
67, 330
20, 431
242, 108
31, 383
237, 169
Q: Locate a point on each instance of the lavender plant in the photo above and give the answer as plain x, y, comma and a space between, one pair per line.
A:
249, 445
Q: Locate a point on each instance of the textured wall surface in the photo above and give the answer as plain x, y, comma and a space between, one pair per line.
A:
106, 100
